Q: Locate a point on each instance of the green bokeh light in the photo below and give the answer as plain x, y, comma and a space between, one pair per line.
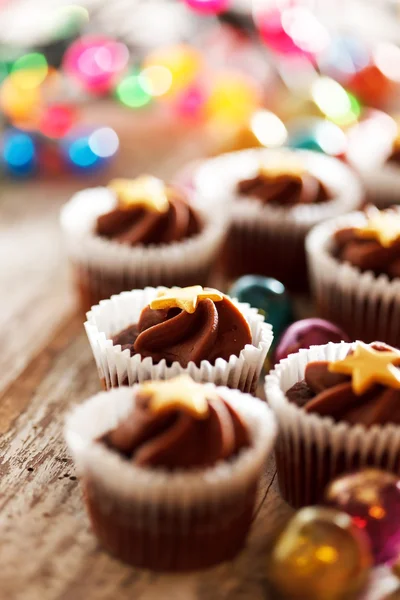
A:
131, 93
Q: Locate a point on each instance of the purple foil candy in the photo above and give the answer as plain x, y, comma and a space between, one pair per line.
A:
372, 498
306, 333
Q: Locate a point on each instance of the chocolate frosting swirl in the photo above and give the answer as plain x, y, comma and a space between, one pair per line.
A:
137, 225
214, 330
367, 254
285, 190
331, 394
394, 157
177, 440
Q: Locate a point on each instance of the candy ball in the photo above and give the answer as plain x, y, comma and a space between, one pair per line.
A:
320, 555
268, 295
372, 498
307, 333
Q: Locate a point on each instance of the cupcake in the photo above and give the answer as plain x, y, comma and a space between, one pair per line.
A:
354, 264
135, 233
275, 197
158, 333
170, 470
374, 152
338, 410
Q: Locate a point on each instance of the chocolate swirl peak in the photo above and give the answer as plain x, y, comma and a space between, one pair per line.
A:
363, 388
374, 247
148, 212
179, 424
285, 184
215, 328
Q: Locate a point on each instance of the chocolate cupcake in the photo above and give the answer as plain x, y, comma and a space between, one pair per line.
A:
135, 233
157, 333
337, 407
170, 470
374, 152
275, 198
354, 264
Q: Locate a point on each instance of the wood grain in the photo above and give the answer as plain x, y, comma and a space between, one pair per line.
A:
47, 551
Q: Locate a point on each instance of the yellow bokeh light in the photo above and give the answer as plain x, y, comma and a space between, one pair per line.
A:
19, 104
326, 554
156, 80
183, 63
268, 128
29, 71
334, 102
233, 99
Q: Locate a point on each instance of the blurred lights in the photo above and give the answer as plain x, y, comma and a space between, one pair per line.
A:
130, 91
69, 19
182, 61
95, 62
19, 152
29, 71
104, 142
19, 104
232, 99
208, 7
334, 102
304, 29
57, 120
156, 80
268, 128
387, 59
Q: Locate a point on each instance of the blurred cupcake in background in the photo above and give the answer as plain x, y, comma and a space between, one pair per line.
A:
138, 232
170, 470
275, 197
374, 152
354, 264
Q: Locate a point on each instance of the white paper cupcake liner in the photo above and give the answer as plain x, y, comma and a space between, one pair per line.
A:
365, 306
163, 509
117, 367
105, 267
270, 239
312, 450
370, 144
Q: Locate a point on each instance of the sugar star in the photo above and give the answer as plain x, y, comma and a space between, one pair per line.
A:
383, 226
368, 366
179, 393
143, 192
185, 298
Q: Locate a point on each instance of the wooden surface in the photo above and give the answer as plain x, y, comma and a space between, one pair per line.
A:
47, 550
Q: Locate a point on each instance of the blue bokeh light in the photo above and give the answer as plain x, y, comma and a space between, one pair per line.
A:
19, 153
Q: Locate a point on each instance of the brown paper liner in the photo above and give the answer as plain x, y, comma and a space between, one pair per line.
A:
208, 537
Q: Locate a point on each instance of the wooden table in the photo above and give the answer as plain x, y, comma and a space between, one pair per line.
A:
47, 550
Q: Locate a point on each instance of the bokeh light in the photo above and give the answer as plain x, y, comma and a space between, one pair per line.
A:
68, 20
386, 57
19, 104
19, 153
317, 134
57, 119
335, 102
190, 103
130, 91
104, 142
156, 80
208, 7
29, 71
268, 128
302, 26
182, 61
80, 154
233, 99
96, 62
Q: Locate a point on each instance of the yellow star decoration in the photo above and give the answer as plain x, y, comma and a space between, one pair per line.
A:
383, 226
282, 165
179, 393
185, 298
368, 366
144, 191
